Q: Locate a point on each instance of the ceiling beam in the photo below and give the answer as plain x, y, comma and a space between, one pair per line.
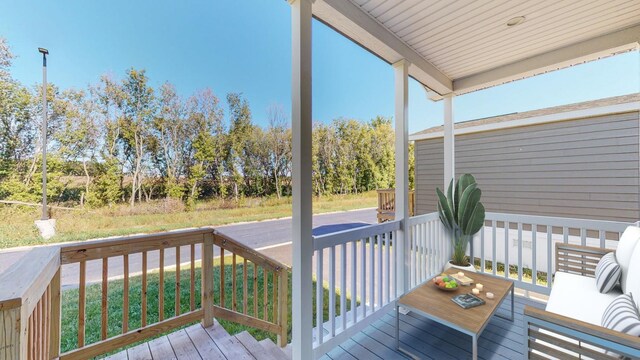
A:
588, 50
352, 22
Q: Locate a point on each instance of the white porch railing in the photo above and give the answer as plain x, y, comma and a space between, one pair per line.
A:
359, 263
429, 248
525, 244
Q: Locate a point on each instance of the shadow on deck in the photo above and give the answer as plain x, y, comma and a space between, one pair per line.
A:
426, 339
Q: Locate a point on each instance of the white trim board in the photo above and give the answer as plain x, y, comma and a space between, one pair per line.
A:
589, 50
535, 120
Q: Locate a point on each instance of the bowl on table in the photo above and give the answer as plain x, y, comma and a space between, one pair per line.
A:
446, 283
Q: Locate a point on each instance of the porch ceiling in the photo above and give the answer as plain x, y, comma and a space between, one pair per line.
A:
464, 46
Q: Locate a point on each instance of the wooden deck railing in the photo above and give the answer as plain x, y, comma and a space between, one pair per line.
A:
161, 297
387, 204
109, 255
29, 295
269, 310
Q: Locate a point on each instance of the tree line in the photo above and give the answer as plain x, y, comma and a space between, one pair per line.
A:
122, 141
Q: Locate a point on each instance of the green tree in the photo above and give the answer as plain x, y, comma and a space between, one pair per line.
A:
138, 109
18, 133
55, 114
346, 154
324, 150
109, 171
239, 132
383, 152
208, 147
6, 56
17, 124
257, 164
278, 143
126, 142
170, 139
78, 135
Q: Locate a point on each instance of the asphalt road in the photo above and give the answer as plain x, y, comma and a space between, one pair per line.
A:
273, 232
257, 235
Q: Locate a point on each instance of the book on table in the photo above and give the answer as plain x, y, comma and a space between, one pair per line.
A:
467, 301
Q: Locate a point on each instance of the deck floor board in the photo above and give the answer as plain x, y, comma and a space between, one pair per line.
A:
139, 352
204, 344
161, 349
183, 346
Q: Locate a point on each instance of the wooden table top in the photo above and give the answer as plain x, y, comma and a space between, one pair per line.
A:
436, 303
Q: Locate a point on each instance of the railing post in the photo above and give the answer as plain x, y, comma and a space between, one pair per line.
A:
56, 309
283, 306
25, 305
13, 333
207, 280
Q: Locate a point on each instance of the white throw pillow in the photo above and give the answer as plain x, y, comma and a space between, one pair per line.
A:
607, 273
622, 315
633, 276
627, 243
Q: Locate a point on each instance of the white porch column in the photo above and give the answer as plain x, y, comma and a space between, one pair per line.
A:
449, 142
301, 178
401, 70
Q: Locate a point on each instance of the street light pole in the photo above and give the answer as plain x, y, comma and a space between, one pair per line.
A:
45, 213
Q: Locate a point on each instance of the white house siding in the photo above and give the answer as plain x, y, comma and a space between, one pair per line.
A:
583, 168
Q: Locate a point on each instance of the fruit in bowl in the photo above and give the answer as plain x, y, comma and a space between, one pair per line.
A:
445, 282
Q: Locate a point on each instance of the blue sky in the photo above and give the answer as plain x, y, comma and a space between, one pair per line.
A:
244, 46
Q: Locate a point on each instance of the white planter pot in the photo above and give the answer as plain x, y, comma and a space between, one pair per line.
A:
468, 268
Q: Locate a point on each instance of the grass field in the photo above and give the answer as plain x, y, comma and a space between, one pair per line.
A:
17, 227
115, 310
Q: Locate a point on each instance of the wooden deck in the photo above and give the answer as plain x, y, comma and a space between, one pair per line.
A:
501, 339
196, 342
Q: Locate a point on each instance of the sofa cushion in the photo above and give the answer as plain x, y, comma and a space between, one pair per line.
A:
577, 297
622, 315
633, 276
627, 243
607, 273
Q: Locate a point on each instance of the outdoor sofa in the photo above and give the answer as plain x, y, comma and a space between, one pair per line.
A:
571, 325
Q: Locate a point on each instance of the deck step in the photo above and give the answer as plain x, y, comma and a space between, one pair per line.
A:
139, 352
182, 345
205, 345
217, 331
273, 349
161, 349
212, 343
249, 342
288, 351
122, 355
229, 345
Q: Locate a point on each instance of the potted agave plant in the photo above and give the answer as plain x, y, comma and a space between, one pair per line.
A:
462, 213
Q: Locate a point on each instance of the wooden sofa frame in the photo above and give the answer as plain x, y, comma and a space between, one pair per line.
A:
572, 334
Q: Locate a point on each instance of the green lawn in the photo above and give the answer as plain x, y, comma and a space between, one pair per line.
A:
115, 296
541, 278
18, 229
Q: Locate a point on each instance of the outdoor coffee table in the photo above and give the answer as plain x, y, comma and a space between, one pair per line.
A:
432, 303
